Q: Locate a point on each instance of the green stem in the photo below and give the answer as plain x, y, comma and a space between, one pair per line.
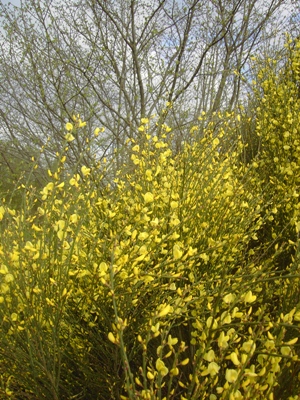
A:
130, 385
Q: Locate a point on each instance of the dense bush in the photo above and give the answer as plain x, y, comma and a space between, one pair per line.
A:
167, 282
277, 129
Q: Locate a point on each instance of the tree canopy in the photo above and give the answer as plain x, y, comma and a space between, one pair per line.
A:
115, 62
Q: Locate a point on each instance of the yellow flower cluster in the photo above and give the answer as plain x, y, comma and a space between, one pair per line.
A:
160, 284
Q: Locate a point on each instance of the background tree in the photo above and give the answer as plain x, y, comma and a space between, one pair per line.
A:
115, 62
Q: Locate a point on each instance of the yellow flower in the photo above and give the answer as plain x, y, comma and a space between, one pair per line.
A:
112, 338
30, 247
74, 181
209, 356
143, 235
231, 375
194, 129
150, 376
211, 323
250, 372
69, 137
185, 361
174, 371
2, 211
60, 224
212, 369
234, 358
65, 245
4, 288
155, 328
204, 257
60, 235
47, 189
285, 350
103, 268
9, 278
174, 204
249, 297
81, 124
148, 197
229, 298
60, 185
36, 228
50, 302
166, 128
85, 171
172, 341
143, 250
249, 346
164, 311
3, 269
215, 142
222, 341
226, 318
69, 126
292, 341
98, 130
14, 316
74, 218
177, 252
160, 366
138, 382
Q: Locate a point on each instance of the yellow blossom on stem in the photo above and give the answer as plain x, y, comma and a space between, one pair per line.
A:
209, 356
164, 311
2, 212
148, 197
249, 297
69, 126
177, 252
150, 376
234, 358
69, 137
160, 367
14, 317
229, 298
212, 369
223, 340
112, 338
85, 171
231, 375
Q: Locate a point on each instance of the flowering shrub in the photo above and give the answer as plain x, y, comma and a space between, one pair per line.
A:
155, 286
277, 129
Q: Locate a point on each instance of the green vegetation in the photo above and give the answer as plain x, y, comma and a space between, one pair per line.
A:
179, 279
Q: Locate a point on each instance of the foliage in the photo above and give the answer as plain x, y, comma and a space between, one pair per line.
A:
277, 158
179, 279
16, 171
146, 288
